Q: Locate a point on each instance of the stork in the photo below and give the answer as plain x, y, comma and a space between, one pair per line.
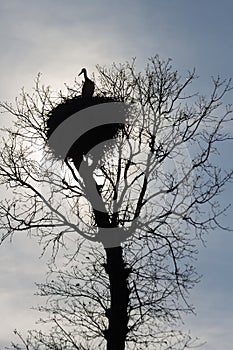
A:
88, 86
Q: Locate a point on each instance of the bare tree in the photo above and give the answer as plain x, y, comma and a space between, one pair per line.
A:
134, 209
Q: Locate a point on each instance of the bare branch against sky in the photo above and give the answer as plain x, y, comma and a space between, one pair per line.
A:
58, 40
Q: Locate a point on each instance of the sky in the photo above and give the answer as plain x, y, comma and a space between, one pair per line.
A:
58, 38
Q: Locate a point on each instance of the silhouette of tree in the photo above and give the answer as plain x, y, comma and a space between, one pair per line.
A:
158, 184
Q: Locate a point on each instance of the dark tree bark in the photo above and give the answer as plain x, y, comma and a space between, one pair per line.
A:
117, 314
116, 270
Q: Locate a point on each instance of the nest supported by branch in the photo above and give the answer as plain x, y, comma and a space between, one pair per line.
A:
87, 141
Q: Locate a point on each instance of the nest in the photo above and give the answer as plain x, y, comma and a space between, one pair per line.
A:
89, 139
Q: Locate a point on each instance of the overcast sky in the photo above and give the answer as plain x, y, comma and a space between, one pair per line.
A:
57, 38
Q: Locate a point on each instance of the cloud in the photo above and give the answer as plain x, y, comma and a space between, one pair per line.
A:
20, 268
57, 38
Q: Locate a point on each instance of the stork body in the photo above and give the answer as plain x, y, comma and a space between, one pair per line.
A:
88, 85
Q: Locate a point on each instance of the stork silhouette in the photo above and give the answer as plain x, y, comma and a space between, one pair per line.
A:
88, 85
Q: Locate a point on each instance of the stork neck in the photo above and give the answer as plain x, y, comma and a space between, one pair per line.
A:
85, 74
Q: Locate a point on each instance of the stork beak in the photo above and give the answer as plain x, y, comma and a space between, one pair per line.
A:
80, 73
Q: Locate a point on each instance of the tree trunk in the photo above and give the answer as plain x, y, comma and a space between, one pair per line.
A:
115, 267
117, 314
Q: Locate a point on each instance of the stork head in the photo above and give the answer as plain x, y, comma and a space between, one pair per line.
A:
83, 71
